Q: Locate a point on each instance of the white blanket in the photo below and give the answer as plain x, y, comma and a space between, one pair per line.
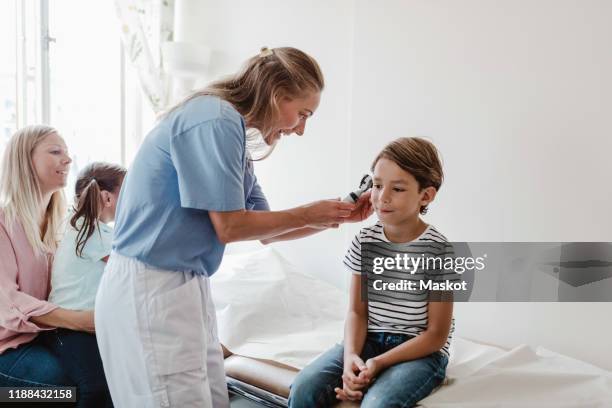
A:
267, 308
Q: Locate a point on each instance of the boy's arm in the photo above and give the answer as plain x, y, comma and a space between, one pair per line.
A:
355, 332
356, 325
440, 315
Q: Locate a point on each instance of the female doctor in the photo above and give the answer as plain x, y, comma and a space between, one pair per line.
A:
191, 190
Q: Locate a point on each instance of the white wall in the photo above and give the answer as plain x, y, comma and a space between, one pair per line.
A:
315, 166
517, 96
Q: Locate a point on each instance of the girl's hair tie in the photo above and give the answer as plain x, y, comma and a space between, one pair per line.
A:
265, 52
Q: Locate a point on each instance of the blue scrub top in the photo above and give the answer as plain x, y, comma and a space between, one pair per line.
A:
192, 162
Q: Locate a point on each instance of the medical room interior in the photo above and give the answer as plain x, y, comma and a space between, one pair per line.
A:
516, 95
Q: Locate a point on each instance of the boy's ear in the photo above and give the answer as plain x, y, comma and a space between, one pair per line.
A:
428, 195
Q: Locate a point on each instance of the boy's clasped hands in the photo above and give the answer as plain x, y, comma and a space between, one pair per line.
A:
356, 377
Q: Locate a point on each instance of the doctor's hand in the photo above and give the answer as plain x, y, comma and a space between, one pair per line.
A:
326, 213
363, 208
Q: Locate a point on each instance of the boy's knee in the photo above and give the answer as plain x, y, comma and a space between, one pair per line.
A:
307, 393
314, 385
300, 394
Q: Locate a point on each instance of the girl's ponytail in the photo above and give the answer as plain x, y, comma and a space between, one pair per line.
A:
91, 181
88, 208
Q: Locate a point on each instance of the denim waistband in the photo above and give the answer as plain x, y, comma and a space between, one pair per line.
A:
386, 339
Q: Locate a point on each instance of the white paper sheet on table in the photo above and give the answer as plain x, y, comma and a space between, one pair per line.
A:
487, 376
267, 308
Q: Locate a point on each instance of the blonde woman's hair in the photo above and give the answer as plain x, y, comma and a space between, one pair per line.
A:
20, 193
261, 83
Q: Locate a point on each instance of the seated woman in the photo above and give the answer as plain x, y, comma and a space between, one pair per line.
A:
395, 352
34, 171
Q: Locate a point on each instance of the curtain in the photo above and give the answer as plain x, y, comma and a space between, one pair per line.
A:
145, 26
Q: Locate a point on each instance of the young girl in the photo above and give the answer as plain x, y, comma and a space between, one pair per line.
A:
77, 270
34, 170
403, 345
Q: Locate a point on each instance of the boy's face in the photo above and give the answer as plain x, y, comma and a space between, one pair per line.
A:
395, 194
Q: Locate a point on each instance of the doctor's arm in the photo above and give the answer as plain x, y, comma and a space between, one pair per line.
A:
243, 225
362, 210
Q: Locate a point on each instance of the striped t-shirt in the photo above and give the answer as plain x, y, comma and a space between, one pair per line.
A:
388, 314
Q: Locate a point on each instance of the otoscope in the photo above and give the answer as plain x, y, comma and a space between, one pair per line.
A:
364, 185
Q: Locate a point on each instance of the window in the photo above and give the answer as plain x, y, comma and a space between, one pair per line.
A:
8, 71
62, 63
85, 89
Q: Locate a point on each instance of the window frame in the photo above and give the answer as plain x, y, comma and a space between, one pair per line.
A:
42, 69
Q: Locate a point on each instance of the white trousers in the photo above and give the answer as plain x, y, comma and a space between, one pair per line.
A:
157, 334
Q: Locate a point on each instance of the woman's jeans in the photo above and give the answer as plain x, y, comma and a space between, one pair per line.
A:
80, 358
58, 358
402, 385
33, 365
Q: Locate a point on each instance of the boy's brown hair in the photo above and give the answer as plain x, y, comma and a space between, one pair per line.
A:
418, 157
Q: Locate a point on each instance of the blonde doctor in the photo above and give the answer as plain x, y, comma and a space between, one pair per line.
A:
191, 190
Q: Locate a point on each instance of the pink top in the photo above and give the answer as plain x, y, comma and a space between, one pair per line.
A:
24, 287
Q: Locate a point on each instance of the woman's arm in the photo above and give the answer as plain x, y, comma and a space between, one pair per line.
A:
242, 225
363, 209
439, 320
78, 320
17, 307
296, 234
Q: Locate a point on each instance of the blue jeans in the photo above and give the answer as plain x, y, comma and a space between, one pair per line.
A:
80, 358
402, 385
32, 365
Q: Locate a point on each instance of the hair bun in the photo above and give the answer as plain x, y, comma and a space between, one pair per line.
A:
265, 52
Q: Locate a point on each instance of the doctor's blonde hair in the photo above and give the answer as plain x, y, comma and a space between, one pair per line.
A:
262, 82
20, 193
